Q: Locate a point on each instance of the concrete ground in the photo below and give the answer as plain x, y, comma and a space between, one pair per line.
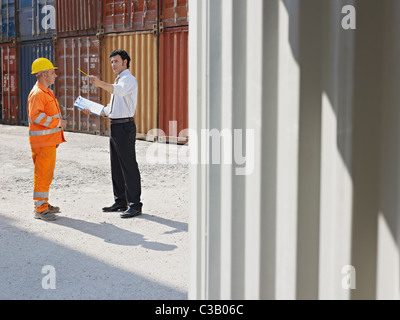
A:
88, 254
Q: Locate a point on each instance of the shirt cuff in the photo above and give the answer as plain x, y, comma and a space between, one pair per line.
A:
107, 111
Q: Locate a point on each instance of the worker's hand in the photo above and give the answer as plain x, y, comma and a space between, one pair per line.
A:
63, 124
94, 81
86, 111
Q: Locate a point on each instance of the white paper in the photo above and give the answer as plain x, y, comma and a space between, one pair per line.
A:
94, 107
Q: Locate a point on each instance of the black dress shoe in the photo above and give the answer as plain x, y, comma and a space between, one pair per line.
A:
131, 212
116, 207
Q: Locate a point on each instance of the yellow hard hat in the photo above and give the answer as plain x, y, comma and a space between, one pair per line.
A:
41, 64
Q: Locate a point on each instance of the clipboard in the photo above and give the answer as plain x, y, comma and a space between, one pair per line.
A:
94, 107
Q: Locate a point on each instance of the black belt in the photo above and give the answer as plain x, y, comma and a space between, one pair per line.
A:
123, 120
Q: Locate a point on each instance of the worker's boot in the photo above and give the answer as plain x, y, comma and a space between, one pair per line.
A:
53, 209
45, 215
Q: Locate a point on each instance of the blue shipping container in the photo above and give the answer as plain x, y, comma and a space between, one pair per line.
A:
29, 52
36, 19
7, 20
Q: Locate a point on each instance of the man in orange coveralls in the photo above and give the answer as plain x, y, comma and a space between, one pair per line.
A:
45, 135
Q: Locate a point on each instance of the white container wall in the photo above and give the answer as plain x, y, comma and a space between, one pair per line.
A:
294, 134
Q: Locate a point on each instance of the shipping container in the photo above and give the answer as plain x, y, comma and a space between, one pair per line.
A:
173, 86
9, 84
129, 15
142, 48
7, 20
36, 19
174, 13
72, 54
29, 52
78, 17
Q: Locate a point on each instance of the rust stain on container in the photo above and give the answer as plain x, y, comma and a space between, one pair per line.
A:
9, 84
78, 17
142, 48
129, 15
173, 87
174, 13
73, 54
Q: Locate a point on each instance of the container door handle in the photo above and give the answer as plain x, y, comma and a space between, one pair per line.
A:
2, 85
175, 11
124, 17
113, 15
46, 29
1, 19
8, 21
37, 17
132, 11
33, 17
144, 11
1, 23
9, 84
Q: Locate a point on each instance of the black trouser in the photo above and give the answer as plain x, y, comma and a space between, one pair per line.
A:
124, 168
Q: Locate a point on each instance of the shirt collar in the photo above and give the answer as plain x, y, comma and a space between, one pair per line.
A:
123, 73
43, 88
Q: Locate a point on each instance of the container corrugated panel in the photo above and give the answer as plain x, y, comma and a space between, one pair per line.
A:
9, 84
73, 54
142, 48
173, 87
36, 19
129, 15
7, 20
27, 53
174, 13
78, 17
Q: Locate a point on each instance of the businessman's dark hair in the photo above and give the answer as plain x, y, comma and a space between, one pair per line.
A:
124, 55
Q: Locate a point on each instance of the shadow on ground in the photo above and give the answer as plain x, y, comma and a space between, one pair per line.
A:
23, 255
113, 234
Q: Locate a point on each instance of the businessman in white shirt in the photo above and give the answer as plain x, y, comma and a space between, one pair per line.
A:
121, 110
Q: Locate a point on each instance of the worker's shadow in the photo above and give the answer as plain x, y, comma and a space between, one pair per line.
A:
112, 234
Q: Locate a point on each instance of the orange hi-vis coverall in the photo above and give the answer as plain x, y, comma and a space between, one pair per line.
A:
44, 136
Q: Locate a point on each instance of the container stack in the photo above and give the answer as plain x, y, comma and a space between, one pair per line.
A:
81, 35
77, 46
35, 28
132, 26
8, 64
173, 71
155, 34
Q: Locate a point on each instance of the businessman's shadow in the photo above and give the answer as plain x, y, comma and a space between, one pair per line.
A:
175, 225
112, 234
